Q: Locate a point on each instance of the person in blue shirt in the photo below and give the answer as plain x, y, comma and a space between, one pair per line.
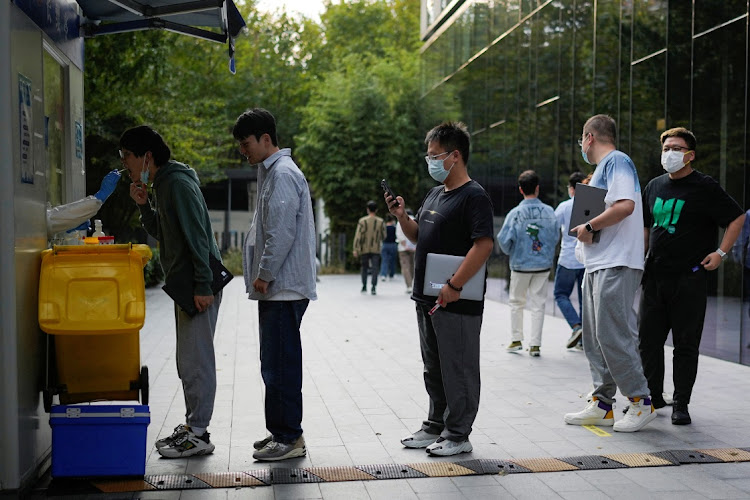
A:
529, 236
569, 272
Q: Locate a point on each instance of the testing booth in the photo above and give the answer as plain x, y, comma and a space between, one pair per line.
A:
42, 163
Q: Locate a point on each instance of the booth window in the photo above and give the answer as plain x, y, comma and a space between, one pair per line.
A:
55, 119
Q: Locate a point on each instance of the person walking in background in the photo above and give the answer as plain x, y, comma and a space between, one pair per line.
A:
455, 219
368, 241
614, 266
569, 272
406, 253
389, 250
683, 210
529, 236
178, 218
279, 269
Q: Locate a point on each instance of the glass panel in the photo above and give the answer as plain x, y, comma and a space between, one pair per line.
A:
505, 15
54, 116
481, 26
711, 13
608, 58
648, 117
719, 124
649, 27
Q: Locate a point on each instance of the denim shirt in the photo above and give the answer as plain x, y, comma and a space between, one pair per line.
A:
529, 236
280, 245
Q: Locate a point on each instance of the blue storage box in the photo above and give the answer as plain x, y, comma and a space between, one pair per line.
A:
99, 440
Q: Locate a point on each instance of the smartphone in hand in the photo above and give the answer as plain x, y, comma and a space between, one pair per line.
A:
387, 189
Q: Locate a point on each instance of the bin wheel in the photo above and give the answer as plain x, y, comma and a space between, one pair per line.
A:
143, 382
47, 400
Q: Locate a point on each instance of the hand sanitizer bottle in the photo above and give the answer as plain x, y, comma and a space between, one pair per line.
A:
98, 228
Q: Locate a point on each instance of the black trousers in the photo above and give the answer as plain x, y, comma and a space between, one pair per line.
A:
676, 302
370, 263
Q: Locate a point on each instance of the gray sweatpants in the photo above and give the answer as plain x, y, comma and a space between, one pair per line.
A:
610, 333
196, 363
450, 353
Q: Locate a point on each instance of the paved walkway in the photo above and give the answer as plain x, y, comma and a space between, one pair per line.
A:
363, 391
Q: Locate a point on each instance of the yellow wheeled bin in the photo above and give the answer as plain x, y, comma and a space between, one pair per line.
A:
92, 304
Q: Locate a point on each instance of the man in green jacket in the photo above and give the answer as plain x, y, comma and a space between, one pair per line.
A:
177, 216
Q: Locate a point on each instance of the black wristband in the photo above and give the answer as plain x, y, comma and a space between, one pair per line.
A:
456, 288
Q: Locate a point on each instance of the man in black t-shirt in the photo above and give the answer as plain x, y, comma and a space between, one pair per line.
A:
455, 219
683, 210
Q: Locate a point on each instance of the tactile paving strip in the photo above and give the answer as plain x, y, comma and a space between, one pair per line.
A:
729, 454
593, 462
176, 482
390, 471
693, 457
229, 479
442, 469
544, 464
639, 459
120, 486
335, 474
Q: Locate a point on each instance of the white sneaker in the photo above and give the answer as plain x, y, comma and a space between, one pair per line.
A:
637, 417
596, 413
420, 439
444, 447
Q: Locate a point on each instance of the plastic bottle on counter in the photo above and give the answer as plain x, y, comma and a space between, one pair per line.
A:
98, 228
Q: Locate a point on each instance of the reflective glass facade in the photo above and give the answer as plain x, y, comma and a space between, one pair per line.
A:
526, 74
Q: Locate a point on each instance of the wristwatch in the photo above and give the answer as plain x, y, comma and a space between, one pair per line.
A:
721, 253
589, 227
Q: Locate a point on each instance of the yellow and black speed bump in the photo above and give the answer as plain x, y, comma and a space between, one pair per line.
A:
693, 457
293, 476
390, 471
271, 476
176, 482
490, 466
262, 475
592, 462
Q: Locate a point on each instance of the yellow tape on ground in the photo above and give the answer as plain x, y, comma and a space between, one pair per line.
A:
597, 430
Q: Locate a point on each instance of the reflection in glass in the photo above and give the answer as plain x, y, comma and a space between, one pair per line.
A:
54, 114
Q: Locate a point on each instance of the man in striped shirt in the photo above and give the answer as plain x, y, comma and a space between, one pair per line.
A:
368, 240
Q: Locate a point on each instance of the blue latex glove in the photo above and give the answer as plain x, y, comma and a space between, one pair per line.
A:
108, 185
83, 227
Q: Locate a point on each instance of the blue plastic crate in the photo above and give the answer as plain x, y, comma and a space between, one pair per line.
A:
99, 440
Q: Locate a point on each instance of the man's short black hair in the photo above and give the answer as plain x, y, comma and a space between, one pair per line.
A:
528, 181
372, 206
139, 140
255, 122
575, 178
683, 134
451, 136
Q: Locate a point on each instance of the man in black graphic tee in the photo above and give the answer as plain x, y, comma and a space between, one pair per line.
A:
682, 211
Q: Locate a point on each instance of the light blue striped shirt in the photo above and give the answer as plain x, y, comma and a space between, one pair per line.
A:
280, 245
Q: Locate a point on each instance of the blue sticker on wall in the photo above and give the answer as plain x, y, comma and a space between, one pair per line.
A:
79, 140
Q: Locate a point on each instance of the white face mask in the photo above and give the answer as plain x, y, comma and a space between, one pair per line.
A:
672, 161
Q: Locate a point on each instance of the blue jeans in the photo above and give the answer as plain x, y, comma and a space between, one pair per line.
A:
565, 280
388, 262
281, 366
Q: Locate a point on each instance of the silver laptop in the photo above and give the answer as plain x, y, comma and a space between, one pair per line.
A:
441, 267
587, 204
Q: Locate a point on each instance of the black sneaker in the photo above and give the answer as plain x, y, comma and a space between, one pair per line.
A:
680, 415
364, 289
373, 291
188, 445
177, 433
